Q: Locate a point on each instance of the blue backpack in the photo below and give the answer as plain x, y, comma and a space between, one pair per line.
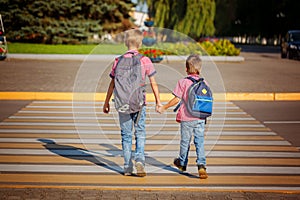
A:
200, 100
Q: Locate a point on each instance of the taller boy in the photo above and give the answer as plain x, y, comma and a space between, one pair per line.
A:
133, 41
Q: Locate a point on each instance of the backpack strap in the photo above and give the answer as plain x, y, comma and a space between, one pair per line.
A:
122, 56
132, 53
194, 80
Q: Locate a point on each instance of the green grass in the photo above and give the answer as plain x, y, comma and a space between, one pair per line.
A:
66, 49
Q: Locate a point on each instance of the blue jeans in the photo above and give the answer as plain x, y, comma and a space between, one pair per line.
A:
127, 122
188, 129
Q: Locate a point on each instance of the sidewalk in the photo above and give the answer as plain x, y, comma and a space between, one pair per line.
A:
139, 194
38, 77
111, 57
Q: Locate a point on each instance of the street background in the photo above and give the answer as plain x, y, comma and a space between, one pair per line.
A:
261, 72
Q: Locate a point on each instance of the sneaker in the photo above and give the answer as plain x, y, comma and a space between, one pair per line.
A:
140, 169
177, 164
128, 171
202, 172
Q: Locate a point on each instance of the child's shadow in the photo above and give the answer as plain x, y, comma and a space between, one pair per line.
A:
150, 161
79, 154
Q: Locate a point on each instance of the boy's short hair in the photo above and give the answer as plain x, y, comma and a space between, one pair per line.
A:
193, 64
133, 38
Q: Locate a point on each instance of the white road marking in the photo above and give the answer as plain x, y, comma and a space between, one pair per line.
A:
281, 122
149, 141
163, 169
112, 118
111, 132
153, 154
101, 103
175, 125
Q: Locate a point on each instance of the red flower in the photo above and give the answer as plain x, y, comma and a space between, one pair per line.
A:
151, 53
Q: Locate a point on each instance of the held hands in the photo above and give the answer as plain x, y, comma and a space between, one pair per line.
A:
160, 108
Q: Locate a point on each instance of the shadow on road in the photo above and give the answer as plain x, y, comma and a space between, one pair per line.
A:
75, 153
149, 160
79, 154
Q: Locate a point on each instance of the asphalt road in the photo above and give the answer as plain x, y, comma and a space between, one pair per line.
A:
260, 72
282, 117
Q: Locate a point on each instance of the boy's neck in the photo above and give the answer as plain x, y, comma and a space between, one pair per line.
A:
193, 74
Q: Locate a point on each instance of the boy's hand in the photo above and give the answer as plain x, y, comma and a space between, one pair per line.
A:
106, 108
160, 108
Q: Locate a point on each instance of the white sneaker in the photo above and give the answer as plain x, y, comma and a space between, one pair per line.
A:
140, 169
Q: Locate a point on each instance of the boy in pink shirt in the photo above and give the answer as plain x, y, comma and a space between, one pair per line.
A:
136, 120
189, 125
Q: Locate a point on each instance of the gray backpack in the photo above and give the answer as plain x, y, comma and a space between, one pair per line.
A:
129, 91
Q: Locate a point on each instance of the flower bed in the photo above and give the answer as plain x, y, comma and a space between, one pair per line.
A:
154, 54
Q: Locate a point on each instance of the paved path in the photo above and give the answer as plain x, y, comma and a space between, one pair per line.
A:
67, 145
259, 73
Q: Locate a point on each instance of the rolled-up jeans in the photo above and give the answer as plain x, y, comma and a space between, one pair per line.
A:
188, 129
127, 123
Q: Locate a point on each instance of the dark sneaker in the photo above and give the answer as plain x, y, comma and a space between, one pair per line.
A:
202, 172
128, 171
177, 164
140, 169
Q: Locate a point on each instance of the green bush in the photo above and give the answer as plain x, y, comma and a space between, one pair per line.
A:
182, 48
221, 47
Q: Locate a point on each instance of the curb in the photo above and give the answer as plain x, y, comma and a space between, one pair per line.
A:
106, 57
70, 96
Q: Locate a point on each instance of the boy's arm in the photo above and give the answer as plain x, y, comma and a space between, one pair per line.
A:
155, 92
106, 107
171, 103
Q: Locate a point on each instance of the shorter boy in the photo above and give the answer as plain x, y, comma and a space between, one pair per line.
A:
189, 125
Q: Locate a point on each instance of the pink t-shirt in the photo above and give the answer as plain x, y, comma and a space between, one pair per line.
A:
147, 66
180, 91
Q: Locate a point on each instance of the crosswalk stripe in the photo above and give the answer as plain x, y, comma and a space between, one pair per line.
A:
166, 142
113, 118
101, 103
108, 132
67, 152
102, 124
78, 160
165, 180
77, 112
150, 169
153, 147
148, 128
159, 136
74, 143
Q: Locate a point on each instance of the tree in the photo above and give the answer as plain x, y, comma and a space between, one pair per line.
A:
225, 16
192, 17
67, 21
254, 17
